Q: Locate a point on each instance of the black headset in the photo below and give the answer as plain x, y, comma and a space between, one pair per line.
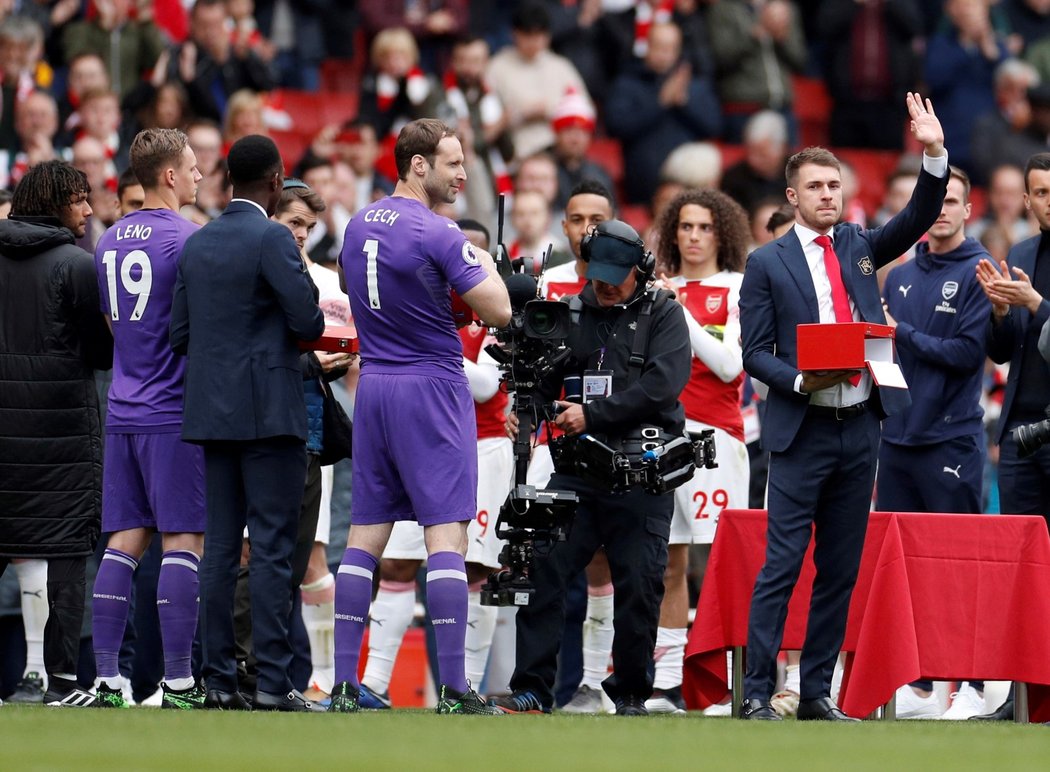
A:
645, 262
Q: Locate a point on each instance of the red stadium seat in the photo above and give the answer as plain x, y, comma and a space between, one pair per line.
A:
813, 110
731, 154
292, 145
872, 168
637, 216
979, 202
607, 152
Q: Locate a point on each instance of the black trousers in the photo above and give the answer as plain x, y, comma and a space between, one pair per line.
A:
634, 529
309, 512
66, 584
824, 479
258, 484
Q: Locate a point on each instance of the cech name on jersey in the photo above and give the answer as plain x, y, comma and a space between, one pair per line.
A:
385, 216
133, 232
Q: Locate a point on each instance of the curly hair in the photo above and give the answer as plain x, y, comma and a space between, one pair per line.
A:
48, 188
731, 229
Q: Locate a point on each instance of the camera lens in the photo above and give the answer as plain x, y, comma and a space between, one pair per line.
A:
543, 323
1031, 437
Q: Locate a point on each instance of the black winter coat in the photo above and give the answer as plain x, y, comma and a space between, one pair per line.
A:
52, 337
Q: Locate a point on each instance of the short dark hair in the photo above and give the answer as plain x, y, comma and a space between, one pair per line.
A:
420, 137
206, 4
809, 155
591, 186
127, 179
253, 159
1040, 162
153, 150
531, 16
47, 188
730, 223
963, 177
309, 162
303, 193
468, 224
784, 214
467, 39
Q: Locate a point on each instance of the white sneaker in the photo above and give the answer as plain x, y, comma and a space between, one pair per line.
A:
586, 700
155, 700
666, 701
719, 709
912, 705
966, 702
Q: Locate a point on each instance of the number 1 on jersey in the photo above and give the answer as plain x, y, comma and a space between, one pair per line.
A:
371, 250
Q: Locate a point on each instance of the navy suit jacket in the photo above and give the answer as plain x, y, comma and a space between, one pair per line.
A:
1006, 339
777, 295
242, 301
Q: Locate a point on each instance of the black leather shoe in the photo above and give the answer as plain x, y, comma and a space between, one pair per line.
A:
292, 702
821, 709
758, 710
1004, 712
220, 700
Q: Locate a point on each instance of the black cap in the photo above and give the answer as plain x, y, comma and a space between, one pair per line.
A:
614, 249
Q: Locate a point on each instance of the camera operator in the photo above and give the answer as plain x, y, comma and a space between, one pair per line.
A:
619, 399
1018, 289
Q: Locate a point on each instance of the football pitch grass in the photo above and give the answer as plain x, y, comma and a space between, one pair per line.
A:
37, 738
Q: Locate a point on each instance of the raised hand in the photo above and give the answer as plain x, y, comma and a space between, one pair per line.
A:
925, 125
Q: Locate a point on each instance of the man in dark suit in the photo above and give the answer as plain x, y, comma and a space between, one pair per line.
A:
242, 298
821, 428
1019, 289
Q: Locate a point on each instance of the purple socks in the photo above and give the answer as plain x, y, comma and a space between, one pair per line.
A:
353, 595
178, 590
447, 602
109, 609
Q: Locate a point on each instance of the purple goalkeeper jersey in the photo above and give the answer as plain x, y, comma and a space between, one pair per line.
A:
399, 260
135, 260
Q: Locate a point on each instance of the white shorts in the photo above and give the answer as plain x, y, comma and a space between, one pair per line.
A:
699, 502
324, 516
541, 467
495, 477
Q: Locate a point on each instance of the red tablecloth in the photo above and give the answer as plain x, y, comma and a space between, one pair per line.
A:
938, 596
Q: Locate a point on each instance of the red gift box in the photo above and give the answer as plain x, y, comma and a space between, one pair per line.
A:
334, 339
850, 346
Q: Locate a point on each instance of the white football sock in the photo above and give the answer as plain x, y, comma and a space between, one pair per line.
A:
481, 624
391, 614
319, 620
32, 581
670, 653
597, 637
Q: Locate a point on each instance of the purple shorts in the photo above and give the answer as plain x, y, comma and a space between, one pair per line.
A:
152, 480
415, 450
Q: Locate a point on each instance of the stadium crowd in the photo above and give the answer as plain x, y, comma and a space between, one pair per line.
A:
676, 117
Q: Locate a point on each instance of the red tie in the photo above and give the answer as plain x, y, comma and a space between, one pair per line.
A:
839, 298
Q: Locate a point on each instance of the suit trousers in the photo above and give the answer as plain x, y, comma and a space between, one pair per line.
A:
304, 544
824, 479
256, 483
634, 528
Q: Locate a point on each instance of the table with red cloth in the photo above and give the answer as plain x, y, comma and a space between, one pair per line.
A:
939, 596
